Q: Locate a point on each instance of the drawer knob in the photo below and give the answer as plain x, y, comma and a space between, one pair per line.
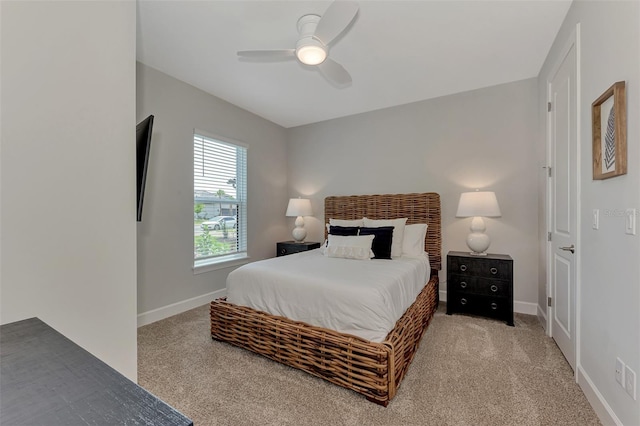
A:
463, 268
283, 251
494, 288
463, 284
494, 270
463, 301
494, 306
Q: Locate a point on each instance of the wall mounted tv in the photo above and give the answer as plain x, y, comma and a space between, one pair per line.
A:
143, 144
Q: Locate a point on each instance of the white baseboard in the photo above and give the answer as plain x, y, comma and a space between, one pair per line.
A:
525, 307
542, 317
600, 406
519, 307
179, 307
443, 295
185, 305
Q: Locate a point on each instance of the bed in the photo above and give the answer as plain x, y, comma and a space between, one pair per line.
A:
373, 369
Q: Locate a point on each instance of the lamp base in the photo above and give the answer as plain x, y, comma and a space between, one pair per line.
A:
299, 233
477, 240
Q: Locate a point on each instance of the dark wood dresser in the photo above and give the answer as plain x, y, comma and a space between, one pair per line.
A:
289, 247
480, 285
46, 379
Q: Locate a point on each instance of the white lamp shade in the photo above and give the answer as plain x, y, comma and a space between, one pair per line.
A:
478, 203
299, 207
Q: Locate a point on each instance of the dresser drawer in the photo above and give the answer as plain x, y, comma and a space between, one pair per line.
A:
479, 285
479, 267
495, 307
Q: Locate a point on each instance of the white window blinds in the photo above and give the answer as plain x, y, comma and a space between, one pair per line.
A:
220, 198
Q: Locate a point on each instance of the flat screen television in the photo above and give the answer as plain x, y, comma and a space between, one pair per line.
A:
143, 144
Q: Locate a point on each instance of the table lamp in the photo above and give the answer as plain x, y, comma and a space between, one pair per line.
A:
297, 208
478, 204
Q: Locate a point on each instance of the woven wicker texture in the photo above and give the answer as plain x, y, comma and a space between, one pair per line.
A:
372, 369
417, 208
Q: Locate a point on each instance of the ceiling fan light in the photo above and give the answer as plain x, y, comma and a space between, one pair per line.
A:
311, 54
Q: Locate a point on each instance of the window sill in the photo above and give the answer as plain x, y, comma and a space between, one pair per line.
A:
208, 265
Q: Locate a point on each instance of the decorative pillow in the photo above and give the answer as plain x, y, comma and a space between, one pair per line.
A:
350, 247
342, 222
398, 232
413, 242
323, 247
343, 230
382, 242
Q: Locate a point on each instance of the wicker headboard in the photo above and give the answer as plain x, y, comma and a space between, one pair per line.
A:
418, 208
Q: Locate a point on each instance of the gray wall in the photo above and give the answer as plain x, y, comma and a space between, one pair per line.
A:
609, 271
165, 235
68, 119
479, 139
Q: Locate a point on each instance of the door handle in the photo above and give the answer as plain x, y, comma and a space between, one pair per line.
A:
571, 248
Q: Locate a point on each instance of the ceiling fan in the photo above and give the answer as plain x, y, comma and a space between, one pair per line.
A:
316, 35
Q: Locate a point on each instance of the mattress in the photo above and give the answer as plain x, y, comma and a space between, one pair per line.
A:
364, 298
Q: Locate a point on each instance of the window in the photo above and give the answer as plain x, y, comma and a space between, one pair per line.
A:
219, 200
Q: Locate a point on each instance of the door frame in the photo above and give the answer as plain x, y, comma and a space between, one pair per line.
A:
573, 40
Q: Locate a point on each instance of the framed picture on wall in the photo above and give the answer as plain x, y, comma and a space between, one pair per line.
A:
609, 132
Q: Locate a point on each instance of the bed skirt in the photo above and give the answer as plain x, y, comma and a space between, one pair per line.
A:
373, 369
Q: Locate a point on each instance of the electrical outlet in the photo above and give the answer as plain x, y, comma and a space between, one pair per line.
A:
596, 219
630, 382
620, 372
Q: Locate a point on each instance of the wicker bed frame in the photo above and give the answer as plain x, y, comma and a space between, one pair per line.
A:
372, 369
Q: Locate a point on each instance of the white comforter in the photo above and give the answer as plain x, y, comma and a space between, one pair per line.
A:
360, 297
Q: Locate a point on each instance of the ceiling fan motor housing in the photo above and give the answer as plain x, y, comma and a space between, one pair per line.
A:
309, 50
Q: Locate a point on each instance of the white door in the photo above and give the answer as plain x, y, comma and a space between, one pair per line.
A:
563, 203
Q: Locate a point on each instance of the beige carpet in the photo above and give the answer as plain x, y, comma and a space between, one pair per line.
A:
468, 371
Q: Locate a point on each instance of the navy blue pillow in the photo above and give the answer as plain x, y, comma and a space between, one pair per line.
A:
343, 230
381, 242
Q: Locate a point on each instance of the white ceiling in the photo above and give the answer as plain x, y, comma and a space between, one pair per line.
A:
397, 52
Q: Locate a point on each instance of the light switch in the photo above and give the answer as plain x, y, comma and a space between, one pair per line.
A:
630, 222
596, 219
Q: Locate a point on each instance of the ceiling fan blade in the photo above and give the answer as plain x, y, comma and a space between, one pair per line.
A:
335, 20
334, 72
269, 55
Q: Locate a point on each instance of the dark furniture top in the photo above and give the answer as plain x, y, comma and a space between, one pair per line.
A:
46, 379
481, 285
289, 247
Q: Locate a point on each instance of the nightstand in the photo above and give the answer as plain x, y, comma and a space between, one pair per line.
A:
480, 285
289, 247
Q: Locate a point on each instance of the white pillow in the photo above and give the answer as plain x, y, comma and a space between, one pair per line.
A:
413, 243
350, 247
398, 232
342, 222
